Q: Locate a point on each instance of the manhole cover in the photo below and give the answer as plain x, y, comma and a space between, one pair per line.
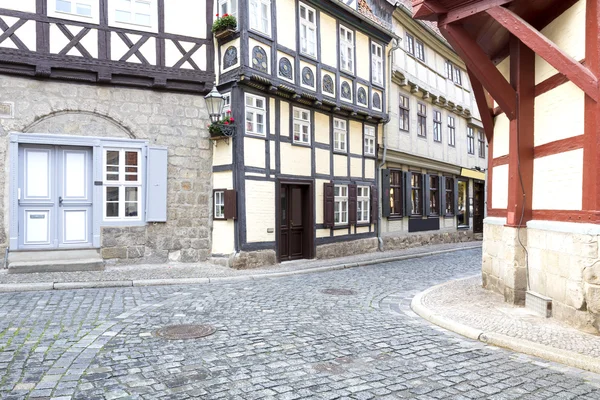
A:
339, 292
178, 332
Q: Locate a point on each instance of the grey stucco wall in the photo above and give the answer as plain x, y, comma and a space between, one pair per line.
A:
177, 121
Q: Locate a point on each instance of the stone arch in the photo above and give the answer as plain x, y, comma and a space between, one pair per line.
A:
80, 122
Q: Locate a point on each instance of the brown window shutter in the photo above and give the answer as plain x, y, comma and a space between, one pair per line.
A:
230, 204
352, 204
374, 204
385, 189
329, 198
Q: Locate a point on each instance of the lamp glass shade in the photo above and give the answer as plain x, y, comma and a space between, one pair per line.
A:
214, 103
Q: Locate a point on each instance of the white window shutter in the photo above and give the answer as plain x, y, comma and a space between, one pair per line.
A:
156, 185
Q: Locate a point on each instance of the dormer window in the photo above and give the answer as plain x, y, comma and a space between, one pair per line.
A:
346, 49
308, 31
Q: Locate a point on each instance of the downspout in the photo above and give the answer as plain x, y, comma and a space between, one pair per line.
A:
396, 46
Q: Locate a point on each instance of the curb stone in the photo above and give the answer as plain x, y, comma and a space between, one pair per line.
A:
570, 358
24, 287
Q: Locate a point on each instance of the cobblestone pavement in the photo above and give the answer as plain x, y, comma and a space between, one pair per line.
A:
462, 301
281, 338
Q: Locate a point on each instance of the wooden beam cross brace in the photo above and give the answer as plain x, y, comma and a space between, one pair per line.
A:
484, 106
468, 10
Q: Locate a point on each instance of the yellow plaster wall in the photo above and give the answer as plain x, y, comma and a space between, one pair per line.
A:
272, 106
284, 118
356, 142
500, 187
559, 114
557, 181
363, 61
329, 35
222, 155
362, 229
340, 165
295, 160
272, 155
356, 167
223, 237
254, 152
322, 158
322, 127
340, 232
319, 183
260, 199
568, 33
323, 233
369, 168
186, 17
223, 180
501, 136
286, 35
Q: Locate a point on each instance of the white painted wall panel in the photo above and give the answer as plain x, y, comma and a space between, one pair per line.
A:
19, 5
559, 114
501, 135
557, 181
500, 187
260, 199
254, 152
186, 18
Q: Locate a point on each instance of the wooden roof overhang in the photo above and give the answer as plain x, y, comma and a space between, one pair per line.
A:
480, 32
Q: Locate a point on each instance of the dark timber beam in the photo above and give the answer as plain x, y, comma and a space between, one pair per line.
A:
521, 144
567, 65
468, 10
480, 65
486, 108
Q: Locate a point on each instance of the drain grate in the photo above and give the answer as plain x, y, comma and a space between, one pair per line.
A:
180, 332
339, 292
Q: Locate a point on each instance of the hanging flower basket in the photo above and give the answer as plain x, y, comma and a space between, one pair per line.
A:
224, 26
225, 128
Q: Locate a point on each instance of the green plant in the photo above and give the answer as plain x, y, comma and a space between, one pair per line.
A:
220, 127
225, 22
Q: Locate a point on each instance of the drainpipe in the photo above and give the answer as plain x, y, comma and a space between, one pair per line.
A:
396, 46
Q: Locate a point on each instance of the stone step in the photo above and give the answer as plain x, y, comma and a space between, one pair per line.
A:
54, 261
222, 261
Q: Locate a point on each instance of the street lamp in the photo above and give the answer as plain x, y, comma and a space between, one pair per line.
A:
215, 102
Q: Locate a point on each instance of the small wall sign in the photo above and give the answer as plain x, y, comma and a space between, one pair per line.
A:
7, 109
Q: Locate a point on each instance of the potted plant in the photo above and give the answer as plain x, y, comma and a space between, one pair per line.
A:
223, 128
224, 26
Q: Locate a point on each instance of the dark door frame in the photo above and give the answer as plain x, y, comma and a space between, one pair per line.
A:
309, 216
478, 225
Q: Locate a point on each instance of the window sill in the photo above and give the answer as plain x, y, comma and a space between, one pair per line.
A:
301, 144
404, 130
256, 135
219, 219
122, 223
349, 74
378, 85
259, 33
369, 155
362, 224
346, 226
437, 141
340, 152
422, 137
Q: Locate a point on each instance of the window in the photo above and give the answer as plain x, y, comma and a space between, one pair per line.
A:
404, 113
363, 207
308, 31
376, 63
453, 73
228, 7
437, 126
470, 141
410, 44
451, 132
395, 193
301, 126
481, 139
419, 50
340, 205
219, 204
340, 134
226, 110
260, 16
369, 140
122, 184
136, 12
255, 115
81, 8
346, 49
416, 192
421, 120
449, 196
434, 208
462, 214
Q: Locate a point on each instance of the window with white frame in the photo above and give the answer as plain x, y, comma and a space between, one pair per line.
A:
346, 49
437, 126
377, 63
301, 126
228, 7
420, 50
369, 140
340, 205
308, 30
226, 110
451, 131
340, 135
260, 16
82, 8
410, 44
122, 184
256, 115
219, 204
135, 12
363, 204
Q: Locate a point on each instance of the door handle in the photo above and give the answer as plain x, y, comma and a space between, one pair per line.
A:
60, 200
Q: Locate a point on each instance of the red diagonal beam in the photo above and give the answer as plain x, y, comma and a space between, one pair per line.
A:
468, 10
427, 9
480, 65
565, 64
485, 108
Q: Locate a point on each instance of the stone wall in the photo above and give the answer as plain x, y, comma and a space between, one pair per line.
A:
503, 268
347, 248
408, 240
177, 121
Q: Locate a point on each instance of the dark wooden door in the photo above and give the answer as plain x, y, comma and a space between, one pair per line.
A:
478, 205
293, 222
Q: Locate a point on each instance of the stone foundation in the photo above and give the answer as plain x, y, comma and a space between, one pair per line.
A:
349, 248
406, 241
253, 259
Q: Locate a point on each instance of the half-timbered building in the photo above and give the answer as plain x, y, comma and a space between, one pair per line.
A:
539, 63
103, 126
306, 85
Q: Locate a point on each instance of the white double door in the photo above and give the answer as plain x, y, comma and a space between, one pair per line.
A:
55, 197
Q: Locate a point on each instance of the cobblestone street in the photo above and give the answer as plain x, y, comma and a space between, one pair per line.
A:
281, 338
